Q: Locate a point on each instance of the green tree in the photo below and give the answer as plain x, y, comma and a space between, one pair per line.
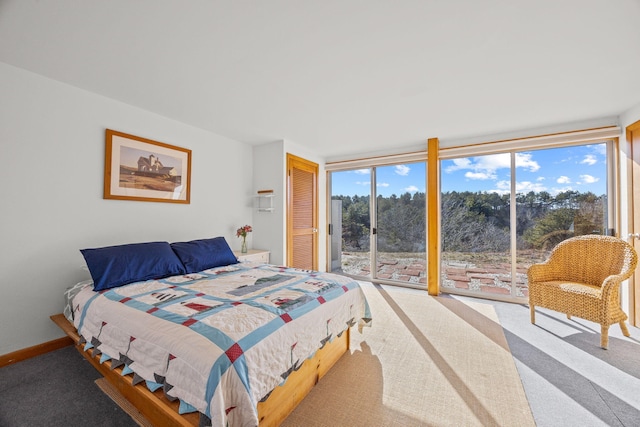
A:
551, 229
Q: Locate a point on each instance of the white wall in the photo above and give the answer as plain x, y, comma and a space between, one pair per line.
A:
630, 116
269, 166
269, 173
52, 161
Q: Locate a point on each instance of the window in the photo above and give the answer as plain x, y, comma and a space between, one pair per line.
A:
501, 212
503, 206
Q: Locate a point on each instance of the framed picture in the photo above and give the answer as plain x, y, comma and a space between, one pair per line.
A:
141, 169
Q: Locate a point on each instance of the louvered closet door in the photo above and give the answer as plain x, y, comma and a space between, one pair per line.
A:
302, 216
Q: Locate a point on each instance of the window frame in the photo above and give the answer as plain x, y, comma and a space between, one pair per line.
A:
436, 151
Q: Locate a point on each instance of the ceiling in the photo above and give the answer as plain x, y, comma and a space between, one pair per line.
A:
341, 77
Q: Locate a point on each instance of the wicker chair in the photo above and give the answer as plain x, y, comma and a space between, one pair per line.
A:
582, 278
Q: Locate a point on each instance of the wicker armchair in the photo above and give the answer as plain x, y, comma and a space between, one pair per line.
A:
582, 278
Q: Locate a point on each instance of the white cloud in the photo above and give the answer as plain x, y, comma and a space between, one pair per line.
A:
411, 189
523, 160
486, 167
600, 149
540, 178
589, 159
504, 187
458, 164
527, 186
563, 180
363, 182
492, 162
363, 171
588, 179
402, 170
479, 175
382, 184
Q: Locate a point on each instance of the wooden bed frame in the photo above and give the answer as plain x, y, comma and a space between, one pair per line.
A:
162, 412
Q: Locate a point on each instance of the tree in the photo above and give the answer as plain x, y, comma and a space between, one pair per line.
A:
554, 227
402, 223
472, 221
464, 229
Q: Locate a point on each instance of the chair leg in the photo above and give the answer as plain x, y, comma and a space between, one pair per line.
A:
625, 331
532, 309
604, 336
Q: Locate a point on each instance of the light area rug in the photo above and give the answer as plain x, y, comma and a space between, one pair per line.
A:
426, 361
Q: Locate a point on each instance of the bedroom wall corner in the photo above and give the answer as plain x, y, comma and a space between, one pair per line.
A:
270, 163
268, 174
53, 139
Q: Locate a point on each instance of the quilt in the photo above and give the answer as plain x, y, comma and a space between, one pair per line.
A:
222, 339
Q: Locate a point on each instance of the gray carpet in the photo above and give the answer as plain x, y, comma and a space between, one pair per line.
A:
568, 379
56, 389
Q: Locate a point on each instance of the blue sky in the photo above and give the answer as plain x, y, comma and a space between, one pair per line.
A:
396, 180
580, 168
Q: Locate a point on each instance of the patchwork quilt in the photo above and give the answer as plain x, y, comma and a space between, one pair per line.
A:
222, 339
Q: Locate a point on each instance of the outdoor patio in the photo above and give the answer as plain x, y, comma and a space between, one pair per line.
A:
493, 278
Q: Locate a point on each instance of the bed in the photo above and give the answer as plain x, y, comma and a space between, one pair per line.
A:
204, 340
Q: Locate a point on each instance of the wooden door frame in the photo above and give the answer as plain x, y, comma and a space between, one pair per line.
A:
634, 285
312, 166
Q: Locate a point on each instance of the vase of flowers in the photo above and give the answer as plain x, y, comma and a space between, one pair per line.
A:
242, 232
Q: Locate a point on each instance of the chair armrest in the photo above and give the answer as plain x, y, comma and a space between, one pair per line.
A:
541, 273
612, 282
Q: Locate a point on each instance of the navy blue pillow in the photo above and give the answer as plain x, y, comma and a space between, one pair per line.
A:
198, 255
114, 266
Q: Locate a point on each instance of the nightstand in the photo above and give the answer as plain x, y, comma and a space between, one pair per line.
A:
253, 255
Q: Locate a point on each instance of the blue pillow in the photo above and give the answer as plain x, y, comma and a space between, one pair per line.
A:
199, 255
114, 266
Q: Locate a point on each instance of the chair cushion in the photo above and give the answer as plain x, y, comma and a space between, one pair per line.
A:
573, 288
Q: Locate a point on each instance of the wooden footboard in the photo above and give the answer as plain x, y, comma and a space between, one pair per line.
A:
162, 412
283, 400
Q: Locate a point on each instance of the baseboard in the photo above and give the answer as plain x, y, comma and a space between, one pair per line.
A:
36, 350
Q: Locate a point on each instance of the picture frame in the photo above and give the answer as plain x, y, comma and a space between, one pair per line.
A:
141, 169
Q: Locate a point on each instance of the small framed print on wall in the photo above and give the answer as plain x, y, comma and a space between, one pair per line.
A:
141, 169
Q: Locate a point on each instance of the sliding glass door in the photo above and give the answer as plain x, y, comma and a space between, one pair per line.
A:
350, 223
502, 212
401, 223
475, 224
378, 219
563, 194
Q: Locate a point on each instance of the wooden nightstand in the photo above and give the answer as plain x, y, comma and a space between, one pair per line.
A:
253, 255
